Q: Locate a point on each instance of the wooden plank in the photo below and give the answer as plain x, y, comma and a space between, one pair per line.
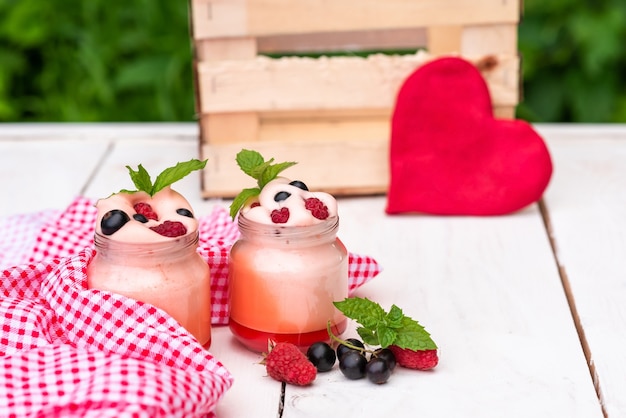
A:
444, 39
254, 393
213, 50
585, 203
40, 174
323, 163
219, 18
229, 127
266, 84
488, 291
498, 39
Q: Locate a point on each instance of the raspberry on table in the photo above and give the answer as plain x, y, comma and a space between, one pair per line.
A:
415, 359
318, 209
170, 229
286, 363
146, 210
280, 216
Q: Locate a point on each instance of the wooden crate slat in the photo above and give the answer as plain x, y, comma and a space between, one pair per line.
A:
266, 84
324, 164
443, 39
489, 39
215, 50
220, 18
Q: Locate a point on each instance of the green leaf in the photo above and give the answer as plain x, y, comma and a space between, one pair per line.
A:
368, 336
253, 164
272, 171
241, 200
394, 317
257, 172
248, 161
140, 178
386, 336
381, 328
173, 174
362, 310
413, 336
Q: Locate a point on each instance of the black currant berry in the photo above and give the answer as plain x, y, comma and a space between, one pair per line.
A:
352, 365
280, 196
343, 349
322, 356
377, 370
387, 355
112, 221
140, 218
184, 212
299, 185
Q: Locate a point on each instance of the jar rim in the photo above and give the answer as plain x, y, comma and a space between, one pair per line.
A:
287, 231
105, 242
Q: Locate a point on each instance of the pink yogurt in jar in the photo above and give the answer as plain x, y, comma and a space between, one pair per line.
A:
284, 276
134, 260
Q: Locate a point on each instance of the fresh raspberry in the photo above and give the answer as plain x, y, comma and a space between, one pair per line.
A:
254, 204
146, 210
170, 229
415, 359
318, 209
280, 216
286, 363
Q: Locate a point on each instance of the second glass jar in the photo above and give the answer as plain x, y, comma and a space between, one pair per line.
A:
283, 281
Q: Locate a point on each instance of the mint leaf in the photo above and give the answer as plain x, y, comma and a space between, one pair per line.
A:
140, 178
248, 160
362, 310
241, 200
413, 336
173, 174
253, 164
368, 336
381, 328
272, 171
394, 317
386, 336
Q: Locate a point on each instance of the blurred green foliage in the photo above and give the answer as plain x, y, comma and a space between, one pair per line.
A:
89, 60
573, 61
116, 60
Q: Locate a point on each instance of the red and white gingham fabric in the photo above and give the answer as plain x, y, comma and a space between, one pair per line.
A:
66, 350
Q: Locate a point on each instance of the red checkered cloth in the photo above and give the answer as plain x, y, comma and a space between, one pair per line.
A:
66, 350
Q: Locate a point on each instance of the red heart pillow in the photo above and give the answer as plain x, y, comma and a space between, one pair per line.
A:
449, 156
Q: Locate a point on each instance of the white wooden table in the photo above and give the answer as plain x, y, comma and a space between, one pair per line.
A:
529, 310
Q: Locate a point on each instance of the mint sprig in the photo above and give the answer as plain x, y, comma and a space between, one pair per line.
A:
169, 176
381, 328
253, 164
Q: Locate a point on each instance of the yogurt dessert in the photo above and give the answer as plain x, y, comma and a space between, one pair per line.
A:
288, 266
146, 242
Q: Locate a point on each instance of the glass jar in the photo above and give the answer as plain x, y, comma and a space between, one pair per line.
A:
170, 275
283, 281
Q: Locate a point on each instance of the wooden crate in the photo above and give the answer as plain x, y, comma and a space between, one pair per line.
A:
331, 114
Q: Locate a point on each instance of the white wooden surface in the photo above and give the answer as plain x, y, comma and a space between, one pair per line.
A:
586, 202
488, 289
